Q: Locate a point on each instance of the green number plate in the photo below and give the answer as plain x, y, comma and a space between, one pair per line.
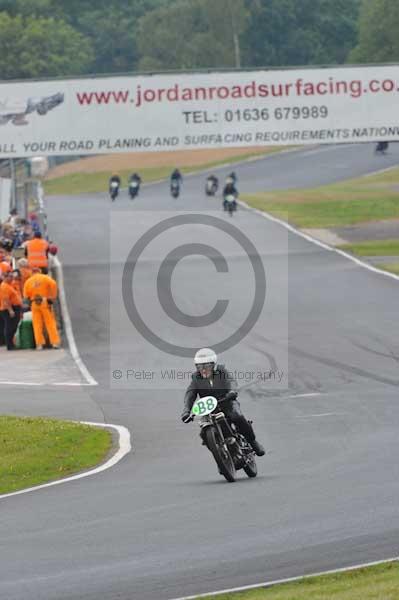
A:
204, 406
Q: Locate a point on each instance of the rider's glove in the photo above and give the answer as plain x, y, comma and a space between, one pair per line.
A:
186, 417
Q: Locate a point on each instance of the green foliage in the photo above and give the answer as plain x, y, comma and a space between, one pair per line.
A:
41, 47
288, 32
378, 32
29, 8
191, 34
46, 38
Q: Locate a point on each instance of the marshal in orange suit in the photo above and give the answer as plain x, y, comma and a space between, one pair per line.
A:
41, 290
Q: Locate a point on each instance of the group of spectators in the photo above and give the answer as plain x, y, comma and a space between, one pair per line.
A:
25, 284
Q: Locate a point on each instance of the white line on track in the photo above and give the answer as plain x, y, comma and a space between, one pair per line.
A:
319, 150
332, 414
289, 580
124, 448
309, 395
68, 327
21, 383
380, 171
44, 384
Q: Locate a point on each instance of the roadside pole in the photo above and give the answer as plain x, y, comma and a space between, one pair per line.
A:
13, 184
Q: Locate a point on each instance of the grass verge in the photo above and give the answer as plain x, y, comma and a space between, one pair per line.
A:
38, 450
373, 248
373, 583
91, 183
345, 203
392, 268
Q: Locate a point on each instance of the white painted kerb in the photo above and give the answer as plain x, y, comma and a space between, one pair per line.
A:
124, 448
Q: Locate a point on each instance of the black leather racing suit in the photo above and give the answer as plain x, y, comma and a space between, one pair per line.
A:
218, 386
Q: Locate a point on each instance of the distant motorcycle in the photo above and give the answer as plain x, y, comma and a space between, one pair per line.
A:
229, 448
381, 147
211, 187
175, 188
134, 188
113, 190
230, 204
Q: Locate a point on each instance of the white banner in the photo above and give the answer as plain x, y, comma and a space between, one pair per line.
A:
199, 110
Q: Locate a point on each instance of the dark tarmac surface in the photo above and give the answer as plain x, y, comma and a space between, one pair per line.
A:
163, 524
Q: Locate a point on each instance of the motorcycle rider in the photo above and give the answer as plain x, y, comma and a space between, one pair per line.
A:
212, 182
135, 177
115, 178
381, 147
229, 190
176, 177
134, 184
211, 379
232, 178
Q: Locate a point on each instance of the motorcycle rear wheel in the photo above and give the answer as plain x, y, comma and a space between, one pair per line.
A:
220, 454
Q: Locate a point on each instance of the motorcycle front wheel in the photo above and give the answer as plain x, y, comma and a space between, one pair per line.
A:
220, 454
251, 468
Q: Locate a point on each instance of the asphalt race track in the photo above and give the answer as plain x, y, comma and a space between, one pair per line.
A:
163, 524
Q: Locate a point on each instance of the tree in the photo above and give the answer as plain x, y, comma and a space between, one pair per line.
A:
227, 20
288, 32
111, 25
378, 32
192, 34
33, 48
30, 8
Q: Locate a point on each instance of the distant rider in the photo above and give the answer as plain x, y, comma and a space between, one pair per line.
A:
114, 179
211, 379
135, 177
232, 178
382, 147
213, 181
229, 190
176, 177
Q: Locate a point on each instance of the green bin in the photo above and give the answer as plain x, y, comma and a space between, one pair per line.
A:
24, 338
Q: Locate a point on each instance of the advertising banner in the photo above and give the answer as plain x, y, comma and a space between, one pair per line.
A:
199, 110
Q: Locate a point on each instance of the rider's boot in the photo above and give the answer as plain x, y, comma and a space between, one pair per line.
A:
258, 448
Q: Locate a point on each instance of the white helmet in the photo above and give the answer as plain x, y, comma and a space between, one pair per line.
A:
205, 356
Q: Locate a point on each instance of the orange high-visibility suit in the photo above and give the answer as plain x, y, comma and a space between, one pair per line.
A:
26, 272
37, 252
39, 289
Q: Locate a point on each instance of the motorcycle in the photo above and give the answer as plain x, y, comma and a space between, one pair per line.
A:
134, 188
229, 448
381, 147
113, 190
175, 188
230, 204
211, 187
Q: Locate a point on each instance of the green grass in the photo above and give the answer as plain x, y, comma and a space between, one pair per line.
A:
346, 203
392, 268
374, 583
38, 450
373, 248
91, 183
